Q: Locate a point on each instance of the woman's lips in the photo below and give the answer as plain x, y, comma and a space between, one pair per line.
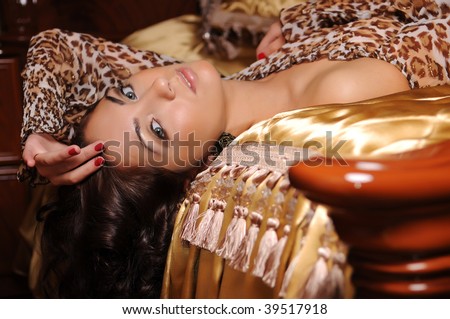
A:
188, 77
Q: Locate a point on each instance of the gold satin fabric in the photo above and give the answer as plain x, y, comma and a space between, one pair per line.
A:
264, 8
373, 128
386, 125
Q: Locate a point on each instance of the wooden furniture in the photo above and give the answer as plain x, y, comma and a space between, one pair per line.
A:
394, 214
13, 195
19, 20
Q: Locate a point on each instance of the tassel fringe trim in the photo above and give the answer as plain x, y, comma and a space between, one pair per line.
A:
242, 243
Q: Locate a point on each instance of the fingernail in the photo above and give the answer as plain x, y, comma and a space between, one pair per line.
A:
261, 56
99, 147
73, 152
99, 161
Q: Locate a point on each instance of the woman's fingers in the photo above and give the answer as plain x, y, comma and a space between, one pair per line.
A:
37, 144
61, 167
271, 42
91, 150
274, 32
270, 48
52, 158
59, 163
33, 147
70, 156
260, 49
28, 157
275, 45
80, 173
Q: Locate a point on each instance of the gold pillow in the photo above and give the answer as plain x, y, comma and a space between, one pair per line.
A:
373, 128
184, 43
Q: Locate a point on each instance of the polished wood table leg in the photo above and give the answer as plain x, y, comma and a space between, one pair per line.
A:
394, 213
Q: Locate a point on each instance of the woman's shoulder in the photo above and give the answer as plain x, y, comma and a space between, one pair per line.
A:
356, 80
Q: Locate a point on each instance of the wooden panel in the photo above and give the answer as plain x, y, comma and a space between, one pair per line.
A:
13, 202
113, 19
14, 196
19, 16
10, 110
12, 211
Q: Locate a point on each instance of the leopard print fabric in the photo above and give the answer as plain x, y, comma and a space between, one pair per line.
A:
413, 35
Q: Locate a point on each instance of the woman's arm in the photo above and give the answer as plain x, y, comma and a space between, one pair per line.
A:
311, 16
314, 15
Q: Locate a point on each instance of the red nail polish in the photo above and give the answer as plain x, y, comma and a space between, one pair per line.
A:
99, 161
98, 147
261, 56
73, 152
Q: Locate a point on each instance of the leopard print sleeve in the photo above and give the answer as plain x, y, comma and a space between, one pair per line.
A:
68, 72
315, 15
411, 35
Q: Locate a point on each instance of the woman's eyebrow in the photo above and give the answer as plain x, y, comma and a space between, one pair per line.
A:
113, 99
137, 129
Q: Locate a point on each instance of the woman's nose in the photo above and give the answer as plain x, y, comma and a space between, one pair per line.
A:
162, 88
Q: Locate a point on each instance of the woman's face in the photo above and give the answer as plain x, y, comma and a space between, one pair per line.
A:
166, 116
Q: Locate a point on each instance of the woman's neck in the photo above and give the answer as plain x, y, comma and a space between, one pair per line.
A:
248, 102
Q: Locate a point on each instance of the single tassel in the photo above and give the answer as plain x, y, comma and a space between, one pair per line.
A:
333, 286
235, 233
268, 240
238, 234
273, 262
191, 218
336, 277
288, 275
318, 276
241, 260
212, 237
221, 250
202, 229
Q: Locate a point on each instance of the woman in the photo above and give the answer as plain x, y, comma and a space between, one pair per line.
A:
170, 117
390, 31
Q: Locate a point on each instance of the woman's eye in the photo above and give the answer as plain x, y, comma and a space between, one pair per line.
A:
157, 129
128, 92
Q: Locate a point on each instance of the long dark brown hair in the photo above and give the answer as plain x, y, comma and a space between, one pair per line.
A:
108, 237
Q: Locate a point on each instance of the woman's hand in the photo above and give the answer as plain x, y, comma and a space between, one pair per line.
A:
272, 41
59, 163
